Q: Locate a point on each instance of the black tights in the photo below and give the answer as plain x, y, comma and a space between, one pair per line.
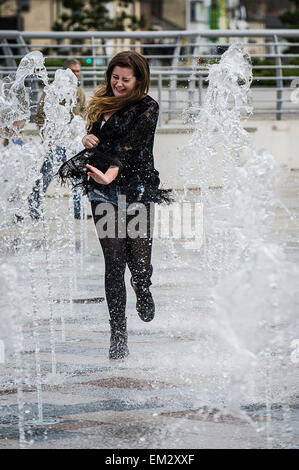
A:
122, 245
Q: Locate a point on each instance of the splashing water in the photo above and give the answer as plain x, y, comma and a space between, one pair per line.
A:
60, 98
254, 289
218, 125
14, 96
242, 356
28, 297
12, 336
18, 166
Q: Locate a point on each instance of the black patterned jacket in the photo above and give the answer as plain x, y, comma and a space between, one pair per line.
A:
126, 140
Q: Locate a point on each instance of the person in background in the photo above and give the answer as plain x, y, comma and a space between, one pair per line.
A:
19, 139
47, 171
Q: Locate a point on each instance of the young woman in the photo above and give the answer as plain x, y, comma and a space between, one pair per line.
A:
118, 174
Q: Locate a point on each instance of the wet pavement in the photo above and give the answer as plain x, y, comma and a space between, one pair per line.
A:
167, 394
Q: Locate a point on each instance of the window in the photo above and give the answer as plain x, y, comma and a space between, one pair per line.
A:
197, 12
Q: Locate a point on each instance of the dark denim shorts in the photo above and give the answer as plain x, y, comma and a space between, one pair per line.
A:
115, 195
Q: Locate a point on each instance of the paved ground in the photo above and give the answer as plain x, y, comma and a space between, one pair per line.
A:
170, 391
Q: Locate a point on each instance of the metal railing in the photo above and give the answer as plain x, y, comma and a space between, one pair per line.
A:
177, 77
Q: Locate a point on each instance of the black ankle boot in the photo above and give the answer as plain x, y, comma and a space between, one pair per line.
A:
119, 337
145, 303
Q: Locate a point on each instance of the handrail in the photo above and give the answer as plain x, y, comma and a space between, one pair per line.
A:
177, 80
153, 34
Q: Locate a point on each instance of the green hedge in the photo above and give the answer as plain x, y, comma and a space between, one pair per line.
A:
58, 63
272, 72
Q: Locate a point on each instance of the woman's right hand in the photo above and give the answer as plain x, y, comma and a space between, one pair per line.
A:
90, 141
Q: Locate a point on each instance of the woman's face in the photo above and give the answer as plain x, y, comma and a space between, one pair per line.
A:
122, 81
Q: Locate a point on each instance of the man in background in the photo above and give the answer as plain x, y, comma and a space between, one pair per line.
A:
46, 171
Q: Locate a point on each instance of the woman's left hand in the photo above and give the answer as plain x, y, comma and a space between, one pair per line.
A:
100, 177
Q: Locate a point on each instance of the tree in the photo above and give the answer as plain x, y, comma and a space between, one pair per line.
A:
93, 15
290, 18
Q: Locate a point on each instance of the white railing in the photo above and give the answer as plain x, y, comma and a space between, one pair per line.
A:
177, 78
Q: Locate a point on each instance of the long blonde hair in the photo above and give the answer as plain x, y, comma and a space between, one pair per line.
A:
104, 101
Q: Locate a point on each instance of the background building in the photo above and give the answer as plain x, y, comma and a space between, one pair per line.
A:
194, 14
40, 15
29, 15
